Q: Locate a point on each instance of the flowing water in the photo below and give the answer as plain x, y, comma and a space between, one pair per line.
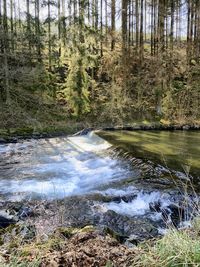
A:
126, 172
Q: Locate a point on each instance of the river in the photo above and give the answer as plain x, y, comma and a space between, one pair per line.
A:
136, 174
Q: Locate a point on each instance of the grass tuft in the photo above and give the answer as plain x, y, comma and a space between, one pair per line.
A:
176, 248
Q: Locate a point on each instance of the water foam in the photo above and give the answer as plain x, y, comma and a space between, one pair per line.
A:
140, 205
90, 142
60, 167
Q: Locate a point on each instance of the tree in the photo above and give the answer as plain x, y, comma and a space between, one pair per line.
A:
137, 23
172, 27
113, 11
141, 32
124, 26
81, 59
38, 30
5, 54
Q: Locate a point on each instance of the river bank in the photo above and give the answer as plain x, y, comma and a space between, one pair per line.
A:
88, 246
38, 234
12, 135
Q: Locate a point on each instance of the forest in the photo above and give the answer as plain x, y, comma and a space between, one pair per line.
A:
99, 61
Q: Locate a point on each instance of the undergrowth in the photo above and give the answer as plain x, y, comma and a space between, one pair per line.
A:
176, 248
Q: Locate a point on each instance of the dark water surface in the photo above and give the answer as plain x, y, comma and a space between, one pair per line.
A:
179, 150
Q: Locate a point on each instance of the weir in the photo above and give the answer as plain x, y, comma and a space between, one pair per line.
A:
90, 168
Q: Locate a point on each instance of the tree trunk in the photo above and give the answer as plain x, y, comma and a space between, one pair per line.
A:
172, 27
141, 31
12, 26
161, 25
113, 24
28, 23
49, 35
101, 18
5, 53
63, 23
96, 15
37, 22
59, 28
124, 26
152, 28
106, 22
137, 23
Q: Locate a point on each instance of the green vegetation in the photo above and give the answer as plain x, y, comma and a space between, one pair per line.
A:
177, 248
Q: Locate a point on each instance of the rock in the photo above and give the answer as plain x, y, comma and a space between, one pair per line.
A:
186, 127
124, 226
78, 212
15, 207
127, 226
83, 132
5, 222
18, 209
173, 214
132, 241
117, 199
2, 141
155, 206
25, 212
128, 198
27, 232
13, 140
196, 127
118, 236
177, 214
6, 219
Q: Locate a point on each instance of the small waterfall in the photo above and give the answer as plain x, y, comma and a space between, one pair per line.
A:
89, 143
89, 166
58, 167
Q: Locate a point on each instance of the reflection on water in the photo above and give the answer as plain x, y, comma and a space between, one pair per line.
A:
179, 150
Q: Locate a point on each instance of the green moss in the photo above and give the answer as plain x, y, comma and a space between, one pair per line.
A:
87, 229
115, 235
67, 232
28, 132
70, 231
